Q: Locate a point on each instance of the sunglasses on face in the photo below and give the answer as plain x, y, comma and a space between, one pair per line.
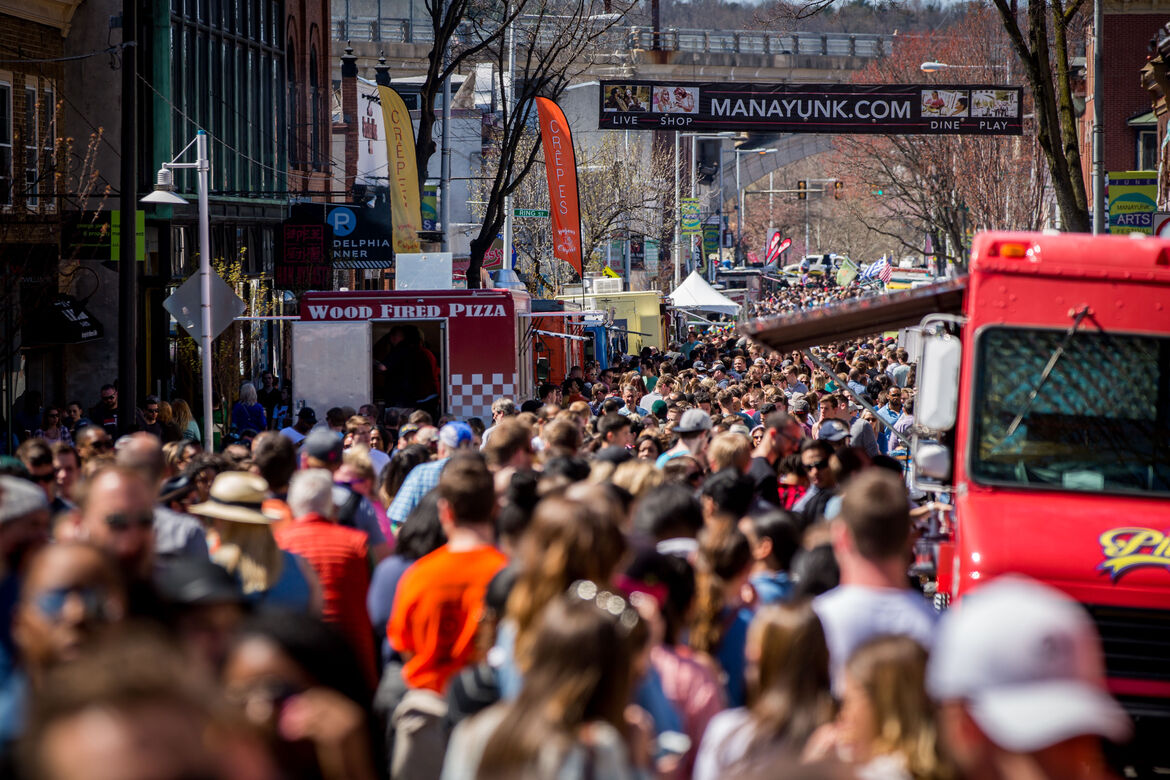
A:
123, 522
43, 478
51, 603
109, 397
153, 410
102, 444
820, 465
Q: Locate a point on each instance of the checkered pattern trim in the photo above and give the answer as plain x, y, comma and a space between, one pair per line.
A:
471, 395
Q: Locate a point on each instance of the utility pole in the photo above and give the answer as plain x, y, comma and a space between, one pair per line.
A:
1098, 123
128, 204
677, 205
445, 169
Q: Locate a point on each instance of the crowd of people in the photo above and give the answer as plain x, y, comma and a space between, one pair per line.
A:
692, 565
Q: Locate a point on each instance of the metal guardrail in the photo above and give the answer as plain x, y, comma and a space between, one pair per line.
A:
393, 30
749, 42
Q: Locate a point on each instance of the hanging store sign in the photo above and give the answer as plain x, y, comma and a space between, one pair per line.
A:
892, 109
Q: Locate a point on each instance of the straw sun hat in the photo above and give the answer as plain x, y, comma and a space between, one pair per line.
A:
236, 496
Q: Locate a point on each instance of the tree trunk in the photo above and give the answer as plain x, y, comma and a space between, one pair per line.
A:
424, 144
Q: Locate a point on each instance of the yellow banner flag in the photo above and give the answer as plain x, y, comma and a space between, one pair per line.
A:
405, 204
609, 272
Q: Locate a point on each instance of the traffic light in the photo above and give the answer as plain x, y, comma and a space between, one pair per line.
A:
801, 189
838, 187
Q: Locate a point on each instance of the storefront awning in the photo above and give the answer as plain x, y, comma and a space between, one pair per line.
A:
370, 265
857, 318
1148, 119
63, 320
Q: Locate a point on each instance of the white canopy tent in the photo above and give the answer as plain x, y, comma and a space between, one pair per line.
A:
695, 293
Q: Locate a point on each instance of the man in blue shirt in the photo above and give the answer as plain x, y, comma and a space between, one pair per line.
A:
425, 477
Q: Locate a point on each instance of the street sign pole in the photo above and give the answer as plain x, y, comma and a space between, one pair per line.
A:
205, 287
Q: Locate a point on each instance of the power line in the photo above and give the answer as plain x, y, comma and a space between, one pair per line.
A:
37, 60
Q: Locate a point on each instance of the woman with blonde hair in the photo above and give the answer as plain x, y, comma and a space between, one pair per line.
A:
788, 695
730, 451
637, 477
887, 724
185, 420
269, 576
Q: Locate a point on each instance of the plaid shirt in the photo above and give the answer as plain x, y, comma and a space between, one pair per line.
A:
420, 481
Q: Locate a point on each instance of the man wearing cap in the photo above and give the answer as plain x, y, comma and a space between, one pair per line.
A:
296, 433
322, 450
24, 529
694, 432
423, 478
1018, 673
871, 539
798, 408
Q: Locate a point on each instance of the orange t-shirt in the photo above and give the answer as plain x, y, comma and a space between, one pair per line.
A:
437, 607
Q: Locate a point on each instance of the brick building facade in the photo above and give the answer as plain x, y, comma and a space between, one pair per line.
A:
1130, 136
309, 92
37, 170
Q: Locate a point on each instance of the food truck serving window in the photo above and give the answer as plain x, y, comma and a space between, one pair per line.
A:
1100, 421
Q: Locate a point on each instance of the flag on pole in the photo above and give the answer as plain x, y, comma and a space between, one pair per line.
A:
846, 273
405, 204
560, 165
880, 270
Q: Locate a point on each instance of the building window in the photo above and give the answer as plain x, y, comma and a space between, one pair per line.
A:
314, 109
219, 47
294, 152
48, 130
32, 149
1147, 150
5, 144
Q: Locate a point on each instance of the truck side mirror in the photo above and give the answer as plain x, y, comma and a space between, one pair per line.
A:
933, 461
937, 399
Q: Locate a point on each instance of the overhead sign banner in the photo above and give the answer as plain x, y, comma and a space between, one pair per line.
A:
302, 260
689, 216
560, 164
1131, 196
891, 109
403, 171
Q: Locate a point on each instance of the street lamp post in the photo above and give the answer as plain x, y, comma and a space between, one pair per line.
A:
164, 194
935, 67
695, 137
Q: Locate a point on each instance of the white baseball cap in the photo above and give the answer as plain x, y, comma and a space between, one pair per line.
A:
1027, 661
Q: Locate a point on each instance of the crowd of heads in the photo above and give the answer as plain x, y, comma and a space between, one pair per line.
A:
693, 563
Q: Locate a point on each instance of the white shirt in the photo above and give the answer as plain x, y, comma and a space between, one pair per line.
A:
379, 460
725, 743
854, 614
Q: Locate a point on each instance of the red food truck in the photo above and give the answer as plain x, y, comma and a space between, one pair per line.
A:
1043, 416
343, 348
558, 339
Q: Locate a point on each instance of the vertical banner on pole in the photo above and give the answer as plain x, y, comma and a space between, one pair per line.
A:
560, 164
405, 204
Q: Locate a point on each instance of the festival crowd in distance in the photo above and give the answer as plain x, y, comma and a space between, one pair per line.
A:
694, 564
